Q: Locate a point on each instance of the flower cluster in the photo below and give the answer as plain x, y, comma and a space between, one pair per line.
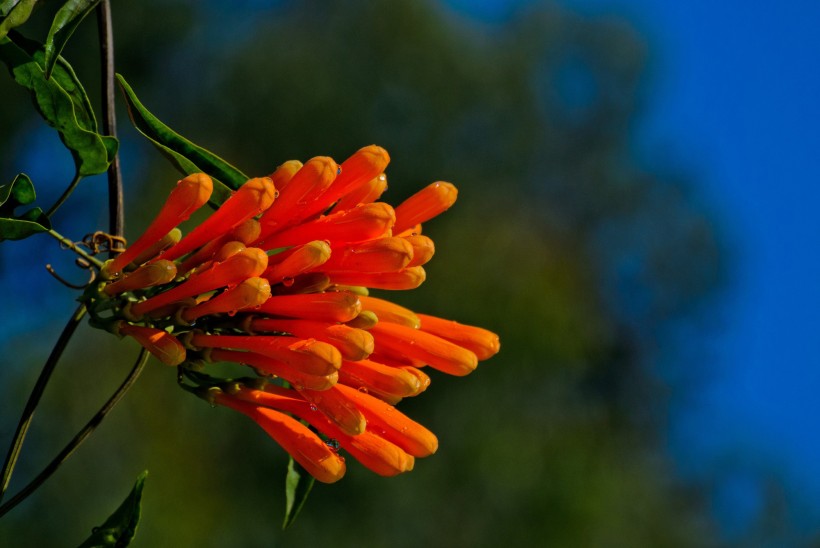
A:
277, 279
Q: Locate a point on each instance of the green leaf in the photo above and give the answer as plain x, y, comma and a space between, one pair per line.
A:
14, 13
185, 155
66, 21
16, 227
121, 526
298, 484
62, 102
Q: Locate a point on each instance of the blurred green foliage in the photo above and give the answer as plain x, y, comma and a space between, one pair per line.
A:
579, 257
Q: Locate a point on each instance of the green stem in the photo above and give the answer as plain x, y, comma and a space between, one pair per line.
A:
81, 436
34, 398
53, 209
73, 247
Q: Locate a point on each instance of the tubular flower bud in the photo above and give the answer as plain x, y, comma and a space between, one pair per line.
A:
190, 194
298, 260
252, 198
407, 278
161, 245
304, 446
435, 351
339, 408
275, 367
423, 249
336, 306
363, 222
307, 355
392, 425
380, 255
164, 346
387, 311
483, 343
306, 185
248, 294
157, 273
247, 263
424, 205
365, 164
353, 344
382, 379
365, 194
284, 173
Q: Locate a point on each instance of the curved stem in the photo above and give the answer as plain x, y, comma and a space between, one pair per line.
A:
53, 209
116, 219
34, 398
73, 247
81, 436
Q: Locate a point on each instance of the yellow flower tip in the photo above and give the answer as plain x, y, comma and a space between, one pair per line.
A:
260, 192
352, 343
387, 311
424, 205
248, 294
378, 455
365, 320
170, 239
149, 275
316, 357
164, 346
284, 173
373, 156
196, 188
423, 249
247, 231
228, 249
298, 260
482, 342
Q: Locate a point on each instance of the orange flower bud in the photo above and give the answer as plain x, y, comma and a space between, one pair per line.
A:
299, 441
362, 166
365, 194
407, 278
306, 185
284, 173
363, 222
353, 344
382, 379
248, 294
188, 196
164, 346
174, 236
271, 366
307, 355
387, 311
244, 234
380, 255
386, 421
483, 343
423, 378
311, 282
248, 263
337, 407
365, 320
252, 198
424, 205
435, 351
298, 260
332, 306
159, 272
423, 249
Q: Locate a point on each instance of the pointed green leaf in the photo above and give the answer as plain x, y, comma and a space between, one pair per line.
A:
185, 155
298, 484
14, 13
66, 21
121, 526
16, 227
62, 102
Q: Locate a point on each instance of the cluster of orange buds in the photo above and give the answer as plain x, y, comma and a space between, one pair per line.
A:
278, 279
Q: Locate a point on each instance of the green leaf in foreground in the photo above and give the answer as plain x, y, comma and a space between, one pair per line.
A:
18, 193
66, 21
185, 155
62, 102
298, 484
14, 13
121, 526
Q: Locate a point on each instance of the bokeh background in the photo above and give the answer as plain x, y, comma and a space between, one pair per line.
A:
635, 219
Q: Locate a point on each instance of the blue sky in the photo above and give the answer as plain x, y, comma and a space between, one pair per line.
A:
733, 98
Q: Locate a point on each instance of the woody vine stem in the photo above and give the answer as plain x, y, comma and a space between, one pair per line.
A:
116, 222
